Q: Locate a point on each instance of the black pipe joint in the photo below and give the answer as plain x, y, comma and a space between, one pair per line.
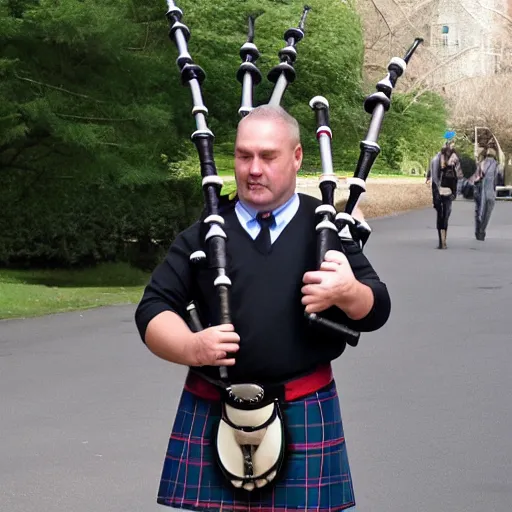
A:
395, 69
296, 33
283, 67
367, 157
217, 252
183, 28
289, 54
174, 15
386, 89
252, 53
190, 72
203, 139
359, 234
327, 189
322, 119
374, 99
395, 72
183, 60
211, 194
248, 67
368, 148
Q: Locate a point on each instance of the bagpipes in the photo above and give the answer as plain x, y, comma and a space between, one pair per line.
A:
280, 75
248, 74
331, 223
250, 438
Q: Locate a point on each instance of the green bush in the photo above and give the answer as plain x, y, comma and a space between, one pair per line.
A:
63, 224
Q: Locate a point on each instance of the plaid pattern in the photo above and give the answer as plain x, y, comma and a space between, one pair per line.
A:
316, 475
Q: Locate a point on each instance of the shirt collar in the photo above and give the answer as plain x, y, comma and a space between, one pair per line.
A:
248, 213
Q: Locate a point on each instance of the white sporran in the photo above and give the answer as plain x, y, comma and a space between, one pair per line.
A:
250, 440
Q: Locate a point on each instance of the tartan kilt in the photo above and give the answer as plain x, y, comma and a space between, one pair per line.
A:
316, 474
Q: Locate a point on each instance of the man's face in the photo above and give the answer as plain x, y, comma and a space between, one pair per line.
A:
266, 163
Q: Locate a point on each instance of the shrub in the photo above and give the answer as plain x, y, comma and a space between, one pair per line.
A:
61, 224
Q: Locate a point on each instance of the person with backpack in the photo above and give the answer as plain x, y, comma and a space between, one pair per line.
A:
444, 173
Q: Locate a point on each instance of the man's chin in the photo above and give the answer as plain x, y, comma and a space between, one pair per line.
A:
258, 196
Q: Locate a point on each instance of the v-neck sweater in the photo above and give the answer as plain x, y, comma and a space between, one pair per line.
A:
276, 341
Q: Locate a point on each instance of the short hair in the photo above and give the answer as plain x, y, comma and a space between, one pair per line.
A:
276, 113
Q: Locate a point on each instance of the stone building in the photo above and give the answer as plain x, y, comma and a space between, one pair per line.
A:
470, 38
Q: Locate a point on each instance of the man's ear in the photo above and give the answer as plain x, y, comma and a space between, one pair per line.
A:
298, 154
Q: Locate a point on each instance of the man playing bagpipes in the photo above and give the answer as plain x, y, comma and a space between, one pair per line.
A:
274, 274
255, 302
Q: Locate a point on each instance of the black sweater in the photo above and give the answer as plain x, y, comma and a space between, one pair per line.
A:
276, 341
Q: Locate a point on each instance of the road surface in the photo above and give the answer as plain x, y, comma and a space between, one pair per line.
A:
86, 410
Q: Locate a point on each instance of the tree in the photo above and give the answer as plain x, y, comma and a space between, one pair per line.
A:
86, 114
81, 100
91, 92
328, 63
481, 102
93, 110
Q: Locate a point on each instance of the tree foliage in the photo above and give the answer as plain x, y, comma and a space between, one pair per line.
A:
328, 63
81, 99
93, 112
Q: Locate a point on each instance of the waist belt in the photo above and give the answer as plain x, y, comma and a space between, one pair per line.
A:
288, 391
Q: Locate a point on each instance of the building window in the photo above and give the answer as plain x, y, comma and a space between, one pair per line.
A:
444, 32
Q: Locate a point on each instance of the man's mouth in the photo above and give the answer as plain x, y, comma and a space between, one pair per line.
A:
256, 186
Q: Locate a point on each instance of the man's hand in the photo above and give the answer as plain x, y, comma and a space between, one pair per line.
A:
212, 346
334, 283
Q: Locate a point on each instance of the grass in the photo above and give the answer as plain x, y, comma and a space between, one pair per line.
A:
226, 174
230, 185
224, 163
27, 293
230, 176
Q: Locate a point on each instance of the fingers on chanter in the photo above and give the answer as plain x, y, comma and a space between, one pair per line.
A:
335, 257
329, 265
225, 362
307, 290
230, 347
307, 299
313, 308
313, 277
226, 327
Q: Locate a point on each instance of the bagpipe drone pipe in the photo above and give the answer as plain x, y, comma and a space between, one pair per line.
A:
249, 75
330, 223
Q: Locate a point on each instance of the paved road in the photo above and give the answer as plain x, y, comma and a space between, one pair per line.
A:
86, 410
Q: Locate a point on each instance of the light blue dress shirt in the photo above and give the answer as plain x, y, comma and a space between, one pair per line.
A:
283, 215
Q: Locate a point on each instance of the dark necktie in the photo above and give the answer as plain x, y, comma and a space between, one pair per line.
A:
266, 220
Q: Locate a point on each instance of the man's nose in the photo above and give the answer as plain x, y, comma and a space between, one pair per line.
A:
255, 168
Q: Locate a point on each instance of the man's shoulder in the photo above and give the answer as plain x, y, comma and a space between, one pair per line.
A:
308, 202
189, 237
196, 232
